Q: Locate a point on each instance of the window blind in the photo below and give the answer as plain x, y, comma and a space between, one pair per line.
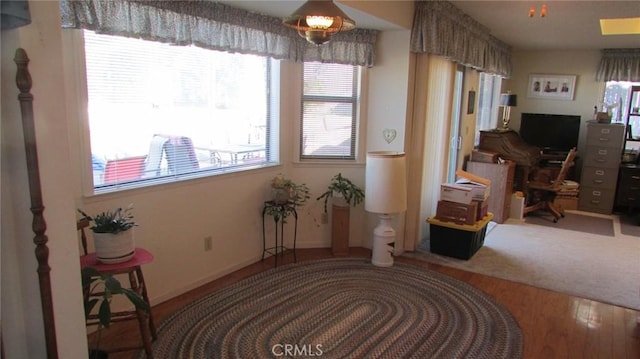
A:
160, 113
329, 111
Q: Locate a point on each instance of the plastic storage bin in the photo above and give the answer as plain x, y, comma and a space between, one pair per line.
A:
457, 240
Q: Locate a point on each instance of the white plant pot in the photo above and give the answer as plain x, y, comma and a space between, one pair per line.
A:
114, 248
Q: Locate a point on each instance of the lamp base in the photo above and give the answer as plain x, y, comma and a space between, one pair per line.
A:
384, 237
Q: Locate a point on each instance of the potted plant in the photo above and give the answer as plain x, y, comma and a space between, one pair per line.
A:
348, 194
286, 196
92, 282
113, 235
345, 189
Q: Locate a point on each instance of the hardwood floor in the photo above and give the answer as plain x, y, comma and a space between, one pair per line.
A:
554, 325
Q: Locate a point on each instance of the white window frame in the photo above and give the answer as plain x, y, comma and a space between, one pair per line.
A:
73, 39
358, 100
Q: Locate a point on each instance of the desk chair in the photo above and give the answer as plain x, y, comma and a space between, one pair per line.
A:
540, 195
133, 269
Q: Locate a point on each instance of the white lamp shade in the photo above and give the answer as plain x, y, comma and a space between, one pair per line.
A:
385, 187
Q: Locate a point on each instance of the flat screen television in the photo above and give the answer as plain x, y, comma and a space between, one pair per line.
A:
552, 133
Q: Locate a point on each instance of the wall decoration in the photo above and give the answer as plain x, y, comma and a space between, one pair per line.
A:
389, 134
471, 102
551, 87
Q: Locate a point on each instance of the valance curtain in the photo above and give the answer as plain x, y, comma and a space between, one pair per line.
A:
619, 65
214, 26
440, 28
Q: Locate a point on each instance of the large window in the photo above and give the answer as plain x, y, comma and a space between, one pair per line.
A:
329, 111
161, 113
616, 100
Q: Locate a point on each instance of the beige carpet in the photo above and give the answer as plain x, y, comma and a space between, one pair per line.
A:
586, 265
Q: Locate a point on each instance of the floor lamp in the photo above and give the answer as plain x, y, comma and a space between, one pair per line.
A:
386, 195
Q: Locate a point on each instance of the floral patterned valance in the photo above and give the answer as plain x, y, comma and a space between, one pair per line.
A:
619, 65
214, 26
440, 28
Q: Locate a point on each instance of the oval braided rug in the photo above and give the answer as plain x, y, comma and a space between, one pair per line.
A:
342, 308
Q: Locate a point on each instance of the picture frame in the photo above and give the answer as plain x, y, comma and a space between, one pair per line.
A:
551, 87
471, 102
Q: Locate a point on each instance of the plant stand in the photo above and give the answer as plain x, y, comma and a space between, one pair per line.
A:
279, 249
340, 230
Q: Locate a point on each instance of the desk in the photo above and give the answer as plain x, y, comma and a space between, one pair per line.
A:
233, 151
279, 249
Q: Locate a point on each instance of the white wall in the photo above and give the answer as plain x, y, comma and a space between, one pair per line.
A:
387, 109
174, 218
22, 332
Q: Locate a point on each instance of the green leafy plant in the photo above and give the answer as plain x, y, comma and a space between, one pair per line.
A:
114, 222
351, 193
93, 280
288, 195
100, 288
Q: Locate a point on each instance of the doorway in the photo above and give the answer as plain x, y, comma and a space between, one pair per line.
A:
455, 143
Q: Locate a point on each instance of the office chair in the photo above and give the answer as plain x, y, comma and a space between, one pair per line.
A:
540, 195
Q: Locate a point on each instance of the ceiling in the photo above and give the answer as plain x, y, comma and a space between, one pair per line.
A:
568, 25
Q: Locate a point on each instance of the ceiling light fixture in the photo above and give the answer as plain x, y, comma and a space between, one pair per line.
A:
318, 20
543, 11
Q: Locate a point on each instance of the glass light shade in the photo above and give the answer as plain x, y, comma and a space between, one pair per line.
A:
386, 188
318, 20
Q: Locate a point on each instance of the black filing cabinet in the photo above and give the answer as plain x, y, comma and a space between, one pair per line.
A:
629, 186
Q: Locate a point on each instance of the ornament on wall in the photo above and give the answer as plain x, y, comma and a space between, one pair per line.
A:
389, 134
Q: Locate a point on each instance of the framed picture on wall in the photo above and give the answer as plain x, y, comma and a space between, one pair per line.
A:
551, 87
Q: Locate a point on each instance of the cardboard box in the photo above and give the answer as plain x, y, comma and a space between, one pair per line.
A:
460, 213
455, 193
480, 187
484, 156
483, 209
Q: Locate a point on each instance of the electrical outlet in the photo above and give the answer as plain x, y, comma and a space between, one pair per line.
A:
208, 243
324, 218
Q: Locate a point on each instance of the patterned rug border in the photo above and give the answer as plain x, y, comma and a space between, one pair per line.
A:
422, 312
